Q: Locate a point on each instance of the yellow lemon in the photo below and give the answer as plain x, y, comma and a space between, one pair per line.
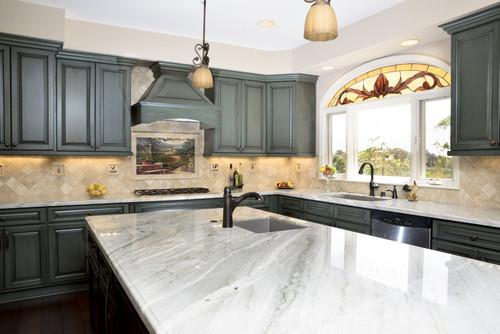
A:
322, 169
103, 192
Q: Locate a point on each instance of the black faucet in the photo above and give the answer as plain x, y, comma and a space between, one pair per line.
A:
230, 204
394, 192
372, 185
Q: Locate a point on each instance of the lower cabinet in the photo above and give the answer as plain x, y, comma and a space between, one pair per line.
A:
353, 219
210, 203
110, 308
468, 240
25, 256
267, 204
1, 260
67, 252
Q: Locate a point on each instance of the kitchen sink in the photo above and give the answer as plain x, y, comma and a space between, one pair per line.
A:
267, 224
358, 197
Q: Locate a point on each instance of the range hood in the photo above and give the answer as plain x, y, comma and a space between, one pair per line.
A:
172, 96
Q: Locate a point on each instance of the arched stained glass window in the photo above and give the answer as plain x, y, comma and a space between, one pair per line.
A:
391, 80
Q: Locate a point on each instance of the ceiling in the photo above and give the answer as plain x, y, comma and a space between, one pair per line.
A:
228, 22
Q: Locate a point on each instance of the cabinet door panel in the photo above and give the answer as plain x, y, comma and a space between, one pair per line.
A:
67, 252
474, 115
76, 105
112, 108
455, 249
353, 226
488, 256
253, 122
33, 88
1, 259
25, 256
281, 122
229, 99
4, 96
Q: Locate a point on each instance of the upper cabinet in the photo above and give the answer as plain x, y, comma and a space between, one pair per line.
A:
27, 101
93, 110
475, 57
91, 92
272, 115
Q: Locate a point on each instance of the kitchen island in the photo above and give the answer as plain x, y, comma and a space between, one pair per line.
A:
184, 273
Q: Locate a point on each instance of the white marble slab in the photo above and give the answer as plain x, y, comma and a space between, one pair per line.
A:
185, 274
465, 214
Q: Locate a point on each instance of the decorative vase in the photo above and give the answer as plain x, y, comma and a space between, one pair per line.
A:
328, 177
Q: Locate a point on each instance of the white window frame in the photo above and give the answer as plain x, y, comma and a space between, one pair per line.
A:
417, 125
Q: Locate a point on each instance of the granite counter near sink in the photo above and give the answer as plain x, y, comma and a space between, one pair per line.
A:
185, 274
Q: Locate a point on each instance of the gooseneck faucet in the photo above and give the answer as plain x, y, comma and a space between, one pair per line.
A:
373, 186
230, 204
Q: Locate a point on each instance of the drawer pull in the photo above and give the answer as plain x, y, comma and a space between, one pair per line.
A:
492, 142
2, 219
473, 237
14, 144
89, 213
7, 144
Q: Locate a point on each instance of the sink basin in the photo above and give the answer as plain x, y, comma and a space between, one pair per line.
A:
266, 224
359, 197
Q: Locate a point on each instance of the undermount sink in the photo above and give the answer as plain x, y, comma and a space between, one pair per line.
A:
266, 225
358, 197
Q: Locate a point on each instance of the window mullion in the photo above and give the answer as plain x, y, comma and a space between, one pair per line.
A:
351, 143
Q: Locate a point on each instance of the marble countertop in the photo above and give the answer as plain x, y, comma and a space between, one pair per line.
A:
186, 274
466, 214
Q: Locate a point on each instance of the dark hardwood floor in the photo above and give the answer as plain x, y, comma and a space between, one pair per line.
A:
59, 314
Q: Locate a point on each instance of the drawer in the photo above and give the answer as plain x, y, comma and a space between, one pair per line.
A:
72, 213
468, 234
292, 203
319, 208
352, 214
318, 219
293, 214
354, 227
253, 203
178, 205
22, 216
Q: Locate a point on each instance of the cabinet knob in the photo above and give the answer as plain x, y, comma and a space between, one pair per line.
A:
14, 144
90, 213
98, 147
473, 237
493, 142
2, 219
293, 148
243, 148
92, 146
7, 144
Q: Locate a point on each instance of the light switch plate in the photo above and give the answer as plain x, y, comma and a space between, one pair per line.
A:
113, 169
1, 170
298, 167
253, 167
58, 170
214, 168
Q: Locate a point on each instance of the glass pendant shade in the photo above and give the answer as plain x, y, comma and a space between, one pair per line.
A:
321, 23
203, 77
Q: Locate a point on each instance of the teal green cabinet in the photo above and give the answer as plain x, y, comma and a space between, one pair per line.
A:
4, 95
93, 110
266, 204
195, 204
29, 124
475, 72
1, 260
291, 116
243, 116
473, 241
319, 212
353, 219
25, 256
67, 252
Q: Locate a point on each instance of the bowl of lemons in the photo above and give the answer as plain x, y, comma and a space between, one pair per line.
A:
96, 190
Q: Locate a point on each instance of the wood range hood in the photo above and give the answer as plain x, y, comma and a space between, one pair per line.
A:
172, 96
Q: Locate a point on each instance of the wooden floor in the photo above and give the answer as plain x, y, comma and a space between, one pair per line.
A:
66, 313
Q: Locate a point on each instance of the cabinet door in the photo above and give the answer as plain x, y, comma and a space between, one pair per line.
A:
112, 108
75, 106
281, 117
1, 259
4, 96
33, 94
228, 97
25, 252
488, 256
67, 252
475, 75
253, 117
455, 249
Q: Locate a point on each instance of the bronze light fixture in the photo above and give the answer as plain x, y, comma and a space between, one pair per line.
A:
321, 22
202, 76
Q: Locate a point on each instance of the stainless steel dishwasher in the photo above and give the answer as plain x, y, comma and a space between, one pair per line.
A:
407, 229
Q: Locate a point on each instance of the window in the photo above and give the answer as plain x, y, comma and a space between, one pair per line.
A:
397, 118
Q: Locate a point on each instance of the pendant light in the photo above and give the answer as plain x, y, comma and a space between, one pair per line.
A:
202, 76
321, 22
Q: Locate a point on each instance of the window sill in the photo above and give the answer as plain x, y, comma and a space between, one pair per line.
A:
420, 185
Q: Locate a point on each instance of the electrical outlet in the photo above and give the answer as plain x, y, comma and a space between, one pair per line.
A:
298, 167
214, 168
113, 169
269, 171
253, 167
58, 170
1, 170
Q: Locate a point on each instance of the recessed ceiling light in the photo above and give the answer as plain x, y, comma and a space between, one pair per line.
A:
327, 68
266, 23
409, 42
